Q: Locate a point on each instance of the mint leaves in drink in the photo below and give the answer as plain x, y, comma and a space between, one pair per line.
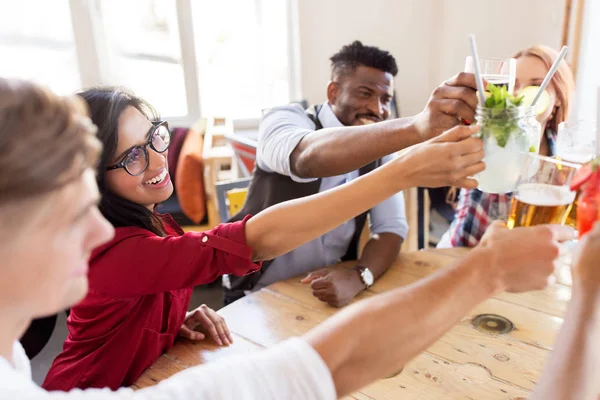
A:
500, 99
501, 107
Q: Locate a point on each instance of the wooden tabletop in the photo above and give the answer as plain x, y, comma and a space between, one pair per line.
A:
464, 364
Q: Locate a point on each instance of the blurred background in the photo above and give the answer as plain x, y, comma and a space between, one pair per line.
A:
192, 58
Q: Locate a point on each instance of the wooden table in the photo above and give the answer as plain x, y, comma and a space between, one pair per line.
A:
464, 364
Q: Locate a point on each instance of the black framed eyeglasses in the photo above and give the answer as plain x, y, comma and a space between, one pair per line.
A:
135, 162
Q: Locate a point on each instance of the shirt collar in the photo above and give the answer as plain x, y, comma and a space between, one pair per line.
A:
328, 118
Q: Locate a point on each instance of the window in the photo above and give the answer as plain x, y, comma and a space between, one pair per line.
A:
188, 58
588, 78
41, 48
143, 51
242, 57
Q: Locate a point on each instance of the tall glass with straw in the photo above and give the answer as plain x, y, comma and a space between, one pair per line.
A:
509, 131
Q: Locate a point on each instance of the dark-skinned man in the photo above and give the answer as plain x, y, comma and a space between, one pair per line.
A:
301, 153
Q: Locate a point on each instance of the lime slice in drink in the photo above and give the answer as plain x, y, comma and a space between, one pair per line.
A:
529, 94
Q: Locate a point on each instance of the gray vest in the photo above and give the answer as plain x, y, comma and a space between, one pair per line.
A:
269, 188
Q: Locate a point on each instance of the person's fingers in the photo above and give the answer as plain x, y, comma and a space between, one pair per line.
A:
464, 179
492, 231
337, 303
468, 160
454, 107
468, 146
185, 332
472, 169
190, 334
220, 325
226, 329
457, 150
314, 275
464, 93
208, 326
456, 134
323, 295
190, 320
467, 183
321, 283
466, 79
560, 233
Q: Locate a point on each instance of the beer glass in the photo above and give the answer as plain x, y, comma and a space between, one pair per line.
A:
542, 194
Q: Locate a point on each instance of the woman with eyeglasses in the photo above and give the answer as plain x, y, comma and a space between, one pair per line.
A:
140, 283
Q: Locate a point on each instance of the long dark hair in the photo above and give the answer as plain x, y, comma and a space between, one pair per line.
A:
106, 106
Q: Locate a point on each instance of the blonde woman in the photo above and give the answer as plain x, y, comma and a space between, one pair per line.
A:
477, 210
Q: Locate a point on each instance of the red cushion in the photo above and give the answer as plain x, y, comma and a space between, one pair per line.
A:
189, 182
178, 136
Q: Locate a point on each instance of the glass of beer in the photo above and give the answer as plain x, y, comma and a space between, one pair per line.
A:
542, 194
576, 143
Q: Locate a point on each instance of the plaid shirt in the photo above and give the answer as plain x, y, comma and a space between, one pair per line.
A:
476, 210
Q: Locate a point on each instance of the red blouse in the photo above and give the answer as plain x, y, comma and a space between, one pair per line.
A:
140, 289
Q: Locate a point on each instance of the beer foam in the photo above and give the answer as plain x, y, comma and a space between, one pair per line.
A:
542, 194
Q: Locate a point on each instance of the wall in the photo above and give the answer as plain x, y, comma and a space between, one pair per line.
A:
588, 80
427, 37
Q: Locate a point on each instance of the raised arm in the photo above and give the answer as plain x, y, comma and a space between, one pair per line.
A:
146, 263
447, 160
335, 151
572, 372
356, 343
355, 347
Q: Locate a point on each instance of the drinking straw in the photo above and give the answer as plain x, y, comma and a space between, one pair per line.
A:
478, 79
550, 74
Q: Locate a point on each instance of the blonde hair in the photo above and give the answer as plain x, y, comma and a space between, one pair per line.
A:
46, 141
563, 81
564, 85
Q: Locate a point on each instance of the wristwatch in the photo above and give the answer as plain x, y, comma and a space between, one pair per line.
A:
366, 276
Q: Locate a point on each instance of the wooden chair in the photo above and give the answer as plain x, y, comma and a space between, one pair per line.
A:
417, 216
219, 163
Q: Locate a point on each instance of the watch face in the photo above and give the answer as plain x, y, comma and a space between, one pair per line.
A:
367, 276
